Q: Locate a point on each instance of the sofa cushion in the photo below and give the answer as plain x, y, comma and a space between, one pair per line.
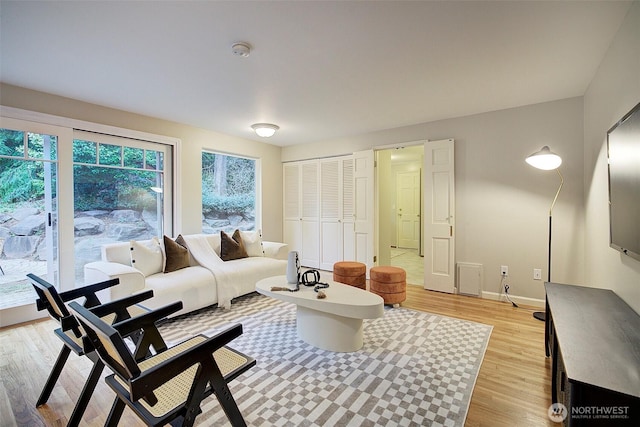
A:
231, 247
146, 257
176, 255
194, 286
252, 241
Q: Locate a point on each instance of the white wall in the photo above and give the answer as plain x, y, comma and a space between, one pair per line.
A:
502, 204
614, 91
193, 141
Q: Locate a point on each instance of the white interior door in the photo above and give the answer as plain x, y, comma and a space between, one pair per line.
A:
408, 209
439, 221
363, 175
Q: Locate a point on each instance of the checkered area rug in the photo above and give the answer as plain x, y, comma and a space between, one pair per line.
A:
415, 368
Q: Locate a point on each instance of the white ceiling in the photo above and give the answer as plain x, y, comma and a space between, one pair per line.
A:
319, 70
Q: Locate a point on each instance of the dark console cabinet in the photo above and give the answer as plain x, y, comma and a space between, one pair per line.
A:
594, 340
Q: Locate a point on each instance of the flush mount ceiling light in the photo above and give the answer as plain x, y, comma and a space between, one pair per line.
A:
265, 130
241, 49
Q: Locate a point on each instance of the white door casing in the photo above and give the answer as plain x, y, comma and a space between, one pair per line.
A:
363, 179
439, 218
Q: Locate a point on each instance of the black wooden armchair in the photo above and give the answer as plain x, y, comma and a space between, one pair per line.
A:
169, 386
69, 332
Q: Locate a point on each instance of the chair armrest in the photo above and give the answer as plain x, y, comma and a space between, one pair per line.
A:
88, 292
157, 375
131, 279
147, 323
119, 307
276, 250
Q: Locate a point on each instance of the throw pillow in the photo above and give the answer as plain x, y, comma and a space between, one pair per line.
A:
182, 242
147, 258
177, 256
252, 241
231, 247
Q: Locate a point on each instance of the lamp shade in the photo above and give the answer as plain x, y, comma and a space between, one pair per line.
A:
265, 130
544, 159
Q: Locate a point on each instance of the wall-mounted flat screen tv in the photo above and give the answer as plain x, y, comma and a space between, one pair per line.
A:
623, 145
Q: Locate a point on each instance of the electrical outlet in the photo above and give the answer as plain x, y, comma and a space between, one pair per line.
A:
537, 274
504, 270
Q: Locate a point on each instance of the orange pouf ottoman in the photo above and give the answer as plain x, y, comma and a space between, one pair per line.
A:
350, 273
390, 283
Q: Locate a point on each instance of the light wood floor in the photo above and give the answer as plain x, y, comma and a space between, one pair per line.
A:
513, 387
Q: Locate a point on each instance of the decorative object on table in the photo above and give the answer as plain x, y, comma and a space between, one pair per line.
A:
308, 278
293, 268
390, 283
545, 159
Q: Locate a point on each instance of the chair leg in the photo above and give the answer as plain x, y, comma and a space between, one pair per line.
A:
222, 392
53, 376
115, 414
87, 391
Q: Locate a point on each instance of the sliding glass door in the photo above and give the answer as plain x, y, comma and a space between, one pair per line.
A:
63, 194
28, 211
121, 192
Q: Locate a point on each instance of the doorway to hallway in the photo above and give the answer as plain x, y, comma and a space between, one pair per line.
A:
399, 210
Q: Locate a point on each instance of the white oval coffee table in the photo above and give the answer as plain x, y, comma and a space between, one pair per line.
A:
333, 323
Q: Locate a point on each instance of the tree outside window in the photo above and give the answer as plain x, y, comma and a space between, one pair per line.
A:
228, 193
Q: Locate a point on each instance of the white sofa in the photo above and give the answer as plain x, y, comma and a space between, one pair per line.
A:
208, 279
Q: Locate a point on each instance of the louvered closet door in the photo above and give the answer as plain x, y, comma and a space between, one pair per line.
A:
347, 211
292, 206
330, 226
310, 256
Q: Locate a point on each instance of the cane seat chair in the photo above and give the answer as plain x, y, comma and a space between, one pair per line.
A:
169, 386
69, 332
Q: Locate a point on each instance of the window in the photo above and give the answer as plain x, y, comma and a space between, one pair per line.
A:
228, 193
119, 193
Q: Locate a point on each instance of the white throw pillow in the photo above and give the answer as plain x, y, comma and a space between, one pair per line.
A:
147, 258
252, 241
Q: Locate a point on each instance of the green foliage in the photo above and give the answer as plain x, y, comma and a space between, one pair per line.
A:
108, 188
21, 181
237, 204
230, 193
240, 175
95, 187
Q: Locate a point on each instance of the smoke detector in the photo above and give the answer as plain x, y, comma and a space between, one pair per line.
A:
241, 49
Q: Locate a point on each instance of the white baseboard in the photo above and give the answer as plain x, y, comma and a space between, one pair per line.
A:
518, 300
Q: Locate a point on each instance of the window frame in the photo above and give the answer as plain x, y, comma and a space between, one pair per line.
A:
66, 127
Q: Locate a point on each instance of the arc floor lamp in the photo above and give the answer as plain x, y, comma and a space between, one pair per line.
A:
545, 159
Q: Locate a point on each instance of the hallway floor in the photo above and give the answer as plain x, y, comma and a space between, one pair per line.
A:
411, 262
